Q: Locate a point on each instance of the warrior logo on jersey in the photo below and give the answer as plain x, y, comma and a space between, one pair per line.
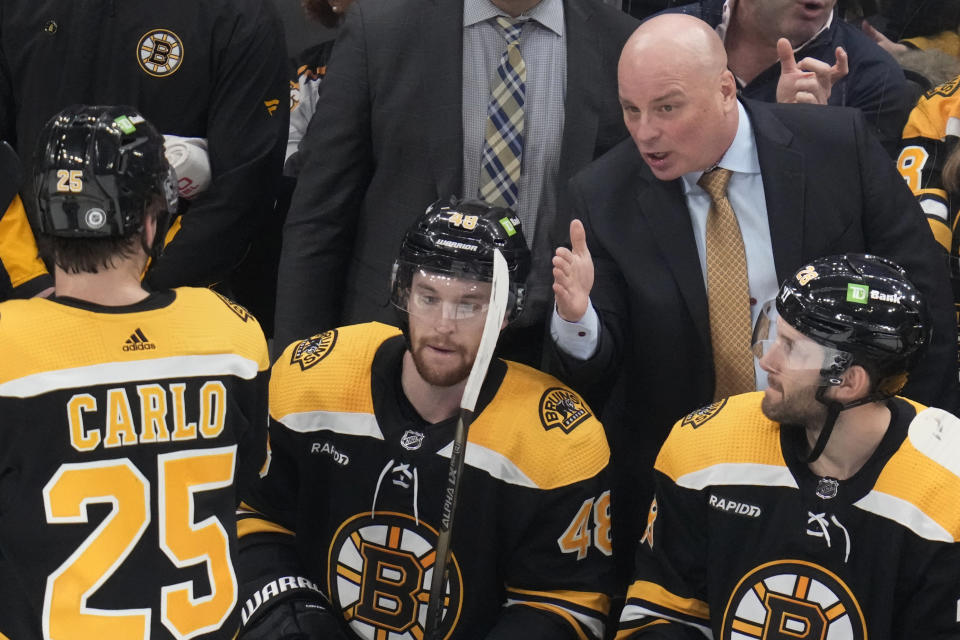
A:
314, 349
160, 52
795, 600
562, 408
236, 308
697, 418
379, 572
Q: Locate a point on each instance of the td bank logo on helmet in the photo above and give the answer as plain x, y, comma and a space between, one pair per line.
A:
861, 293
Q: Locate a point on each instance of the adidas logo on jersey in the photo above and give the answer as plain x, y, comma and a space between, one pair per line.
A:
138, 342
732, 506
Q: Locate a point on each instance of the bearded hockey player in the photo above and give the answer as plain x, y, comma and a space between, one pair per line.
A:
823, 507
339, 539
127, 418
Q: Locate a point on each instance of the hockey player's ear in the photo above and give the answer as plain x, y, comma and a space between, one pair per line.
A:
854, 385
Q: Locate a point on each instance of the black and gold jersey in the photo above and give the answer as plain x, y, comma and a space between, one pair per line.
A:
124, 435
355, 486
929, 138
744, 541
22, 272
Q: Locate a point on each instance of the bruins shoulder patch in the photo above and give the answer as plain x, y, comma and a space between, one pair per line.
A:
946, 89
697, 418
314, 349
236, 308
561, 407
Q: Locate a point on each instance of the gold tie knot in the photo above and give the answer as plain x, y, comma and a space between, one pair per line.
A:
715, 182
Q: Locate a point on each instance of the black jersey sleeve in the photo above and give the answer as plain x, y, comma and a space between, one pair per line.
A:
668, 597
561, 566
270, 570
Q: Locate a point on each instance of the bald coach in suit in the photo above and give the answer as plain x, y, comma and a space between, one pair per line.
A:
807, 181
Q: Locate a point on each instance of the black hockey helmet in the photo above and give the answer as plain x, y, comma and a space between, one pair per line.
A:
457, 238
864, 311
862, 305
96, 171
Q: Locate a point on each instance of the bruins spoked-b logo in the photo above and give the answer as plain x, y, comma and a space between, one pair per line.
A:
697, 418
314, 349
792, 600
160, 52
379, 572
562, 408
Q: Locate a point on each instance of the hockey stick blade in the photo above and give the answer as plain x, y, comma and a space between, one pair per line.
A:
496, 311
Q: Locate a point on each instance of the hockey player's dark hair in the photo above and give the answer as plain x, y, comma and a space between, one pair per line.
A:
90, 255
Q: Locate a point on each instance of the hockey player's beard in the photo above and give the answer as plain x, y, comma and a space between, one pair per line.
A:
440, 376
797, 407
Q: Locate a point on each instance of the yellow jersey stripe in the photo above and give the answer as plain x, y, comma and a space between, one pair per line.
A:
563, 613
654, 593
344, 422
587, 599
250, 526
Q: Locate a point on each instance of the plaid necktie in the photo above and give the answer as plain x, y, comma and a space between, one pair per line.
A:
503, 143
728, 293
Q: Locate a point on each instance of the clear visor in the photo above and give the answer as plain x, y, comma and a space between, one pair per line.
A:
783, 350
434, 295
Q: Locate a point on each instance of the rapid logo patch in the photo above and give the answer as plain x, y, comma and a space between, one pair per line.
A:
236, 308
314, 349
160, 52
562, 408
696, 418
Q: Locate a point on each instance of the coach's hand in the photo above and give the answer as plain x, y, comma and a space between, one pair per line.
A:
573, 275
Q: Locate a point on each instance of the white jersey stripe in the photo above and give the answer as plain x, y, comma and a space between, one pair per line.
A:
345, 422
764, 475
494, 463
936, 434
905, 513
633, 612
219, 364
595, 625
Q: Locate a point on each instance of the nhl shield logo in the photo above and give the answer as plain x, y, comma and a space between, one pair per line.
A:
160, 52
411, 440
562, 408
697, 418
314, 349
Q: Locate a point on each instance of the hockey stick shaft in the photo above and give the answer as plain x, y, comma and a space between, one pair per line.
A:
496, 311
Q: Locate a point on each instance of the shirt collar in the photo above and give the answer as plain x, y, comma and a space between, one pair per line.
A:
548, 13
730, 5
740, 157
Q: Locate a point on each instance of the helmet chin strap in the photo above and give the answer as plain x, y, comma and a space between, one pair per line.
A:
833, 412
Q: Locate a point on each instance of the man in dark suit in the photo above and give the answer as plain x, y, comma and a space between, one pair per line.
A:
807, 181
398, 120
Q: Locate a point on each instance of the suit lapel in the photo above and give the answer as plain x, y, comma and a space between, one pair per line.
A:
442, 71
783, 180
665, 211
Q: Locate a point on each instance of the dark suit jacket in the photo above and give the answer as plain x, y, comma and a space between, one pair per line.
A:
830, 188
386, 141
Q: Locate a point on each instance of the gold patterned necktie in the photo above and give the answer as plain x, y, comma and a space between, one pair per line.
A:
728, 293
501, 161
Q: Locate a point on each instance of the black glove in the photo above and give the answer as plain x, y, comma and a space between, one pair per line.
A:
295, 619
